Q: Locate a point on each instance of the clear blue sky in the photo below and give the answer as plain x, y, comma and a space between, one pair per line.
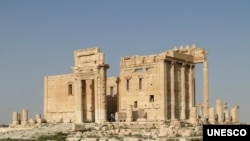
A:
38, 37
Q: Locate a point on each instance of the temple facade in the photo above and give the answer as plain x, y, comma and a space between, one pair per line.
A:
155, 87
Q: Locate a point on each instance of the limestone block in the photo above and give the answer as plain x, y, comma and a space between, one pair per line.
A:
32, 121
72, 139
89, 139
41, 121
120, 116
78, 126
78, 134
175, 123
66, 120
141, 120
168, 132
103, 139
113, 139
183, 139
187, 133
131, 139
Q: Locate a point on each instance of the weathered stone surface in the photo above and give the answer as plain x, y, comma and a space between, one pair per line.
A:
156, 87
78, 126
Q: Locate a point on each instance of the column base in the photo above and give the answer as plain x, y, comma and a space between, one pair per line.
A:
24, 122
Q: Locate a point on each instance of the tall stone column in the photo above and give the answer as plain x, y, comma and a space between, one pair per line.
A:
89, 100
205, 89
191, 88
101, 93
172, 81
164, 70
183, 92
79, 108
103, 116
97, 98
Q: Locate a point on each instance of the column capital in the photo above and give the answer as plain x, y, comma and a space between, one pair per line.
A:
183, 65
172, 63
191, 65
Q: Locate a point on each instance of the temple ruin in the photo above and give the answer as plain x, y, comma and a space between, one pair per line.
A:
157, 87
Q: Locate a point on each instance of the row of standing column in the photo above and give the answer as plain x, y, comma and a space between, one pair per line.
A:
16, 117
99, 95
205, 103
183, 90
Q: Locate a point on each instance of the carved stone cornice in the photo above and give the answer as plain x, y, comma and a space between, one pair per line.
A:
128, 77
105, 66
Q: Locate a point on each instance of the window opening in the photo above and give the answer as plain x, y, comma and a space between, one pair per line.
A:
127, 84
139, 70
140, 83
70, 89
151, 98
135, 104
112, 91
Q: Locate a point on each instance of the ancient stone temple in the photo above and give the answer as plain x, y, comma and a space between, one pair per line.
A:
161, 86
149, 88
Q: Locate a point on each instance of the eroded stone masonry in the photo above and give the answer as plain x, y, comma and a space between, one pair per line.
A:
157, 87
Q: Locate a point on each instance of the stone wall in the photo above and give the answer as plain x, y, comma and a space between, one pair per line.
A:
59, 98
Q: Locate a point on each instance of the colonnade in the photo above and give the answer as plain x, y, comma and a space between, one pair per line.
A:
187, 90
99, 112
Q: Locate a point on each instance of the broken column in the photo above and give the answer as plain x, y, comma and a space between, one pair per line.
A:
211, 115
15, 118
235, 114
205, 89
226, 114
24, 117
38, 118
219, 110
193, 115
129, 113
